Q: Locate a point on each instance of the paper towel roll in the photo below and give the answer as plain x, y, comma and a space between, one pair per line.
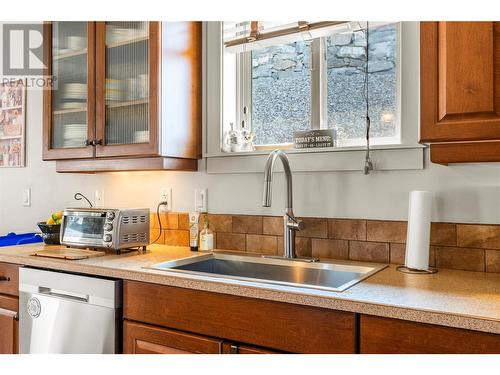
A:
419, 230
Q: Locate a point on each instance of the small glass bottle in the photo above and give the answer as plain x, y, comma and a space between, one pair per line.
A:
206, 237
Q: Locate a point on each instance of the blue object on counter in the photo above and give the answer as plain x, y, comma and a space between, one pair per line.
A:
13, 239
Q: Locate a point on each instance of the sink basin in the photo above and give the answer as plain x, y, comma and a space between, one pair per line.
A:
334, 276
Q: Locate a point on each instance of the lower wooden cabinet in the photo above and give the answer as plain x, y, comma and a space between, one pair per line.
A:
8, 325
9, 308
146, 339
142, 338
392, 336
255, 322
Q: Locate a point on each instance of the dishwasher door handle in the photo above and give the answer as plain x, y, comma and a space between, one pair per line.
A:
64, 294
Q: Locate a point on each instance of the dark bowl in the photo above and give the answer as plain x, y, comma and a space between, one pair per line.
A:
50, 233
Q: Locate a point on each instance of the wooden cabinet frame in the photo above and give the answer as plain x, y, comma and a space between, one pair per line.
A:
49, 153
460, 91
459, 86
96, 105
172, 145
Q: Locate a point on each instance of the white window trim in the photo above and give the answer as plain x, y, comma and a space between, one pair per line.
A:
404, 156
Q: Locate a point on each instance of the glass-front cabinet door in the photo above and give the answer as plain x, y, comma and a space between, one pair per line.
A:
127, 73
69, 104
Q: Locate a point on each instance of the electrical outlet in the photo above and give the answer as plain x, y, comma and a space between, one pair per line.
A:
99, 198
166, 196
200, 200
26, 197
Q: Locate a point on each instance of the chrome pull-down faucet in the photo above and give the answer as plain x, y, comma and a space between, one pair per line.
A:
290, 223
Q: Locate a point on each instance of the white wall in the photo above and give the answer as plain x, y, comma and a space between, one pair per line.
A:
50, 191
464, 193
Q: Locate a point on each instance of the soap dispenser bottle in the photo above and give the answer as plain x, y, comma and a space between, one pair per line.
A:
206, 237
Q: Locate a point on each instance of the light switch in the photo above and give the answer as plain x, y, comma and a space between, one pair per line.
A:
200, 200
99, 198
26, 197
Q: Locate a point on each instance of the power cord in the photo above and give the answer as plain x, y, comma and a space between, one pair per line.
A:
164, 203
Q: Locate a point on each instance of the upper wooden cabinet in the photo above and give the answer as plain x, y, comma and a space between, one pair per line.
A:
459, 90
127, 96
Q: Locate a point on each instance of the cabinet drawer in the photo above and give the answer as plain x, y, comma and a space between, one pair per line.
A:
146, 339
9, 279
276, 325
391, 336
9, 325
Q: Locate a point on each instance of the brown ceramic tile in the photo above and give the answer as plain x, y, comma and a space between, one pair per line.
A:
153, 234
220, 223
231, 241
386, 231
398, 251
272, 225
184, 221
153, 221
170, 220
302, 246
347, 229
369, 251
492, 261
314, 227
443, 234
262, 244
247, 224
467, 259
330, 249
176, 237
482, 236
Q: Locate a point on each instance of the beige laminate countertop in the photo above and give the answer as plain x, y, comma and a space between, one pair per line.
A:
451, 298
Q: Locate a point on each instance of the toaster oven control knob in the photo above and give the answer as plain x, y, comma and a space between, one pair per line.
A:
107, 238
110, 215
108, 227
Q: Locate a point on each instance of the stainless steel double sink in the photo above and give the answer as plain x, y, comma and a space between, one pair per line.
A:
334, 276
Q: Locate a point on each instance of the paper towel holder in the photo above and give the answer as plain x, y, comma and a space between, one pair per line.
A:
414, 271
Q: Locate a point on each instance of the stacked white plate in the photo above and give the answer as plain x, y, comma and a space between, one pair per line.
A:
141, 136
74, 135
76, 91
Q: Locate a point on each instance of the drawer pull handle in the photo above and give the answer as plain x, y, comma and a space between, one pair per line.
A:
4, 278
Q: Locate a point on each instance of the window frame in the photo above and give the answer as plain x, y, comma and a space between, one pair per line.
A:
409, 152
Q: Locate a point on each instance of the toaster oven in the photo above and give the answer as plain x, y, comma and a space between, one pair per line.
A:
105, 228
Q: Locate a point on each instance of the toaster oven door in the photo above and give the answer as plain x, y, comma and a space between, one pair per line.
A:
83, 228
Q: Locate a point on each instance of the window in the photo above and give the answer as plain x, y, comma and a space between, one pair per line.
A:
281, 88
292, 83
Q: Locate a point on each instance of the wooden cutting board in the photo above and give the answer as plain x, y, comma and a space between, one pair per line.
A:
68, 254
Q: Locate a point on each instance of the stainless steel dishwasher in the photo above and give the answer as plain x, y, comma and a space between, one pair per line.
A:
65, 313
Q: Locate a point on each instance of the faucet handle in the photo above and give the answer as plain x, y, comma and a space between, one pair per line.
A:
294, 224
299, 224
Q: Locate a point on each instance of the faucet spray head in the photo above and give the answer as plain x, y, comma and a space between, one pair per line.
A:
268, 194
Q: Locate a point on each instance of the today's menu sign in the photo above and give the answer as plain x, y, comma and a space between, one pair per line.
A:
313, 138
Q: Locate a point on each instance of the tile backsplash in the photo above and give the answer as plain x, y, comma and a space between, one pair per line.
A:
472, 247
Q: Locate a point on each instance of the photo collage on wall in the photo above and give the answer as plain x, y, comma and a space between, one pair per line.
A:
12, 123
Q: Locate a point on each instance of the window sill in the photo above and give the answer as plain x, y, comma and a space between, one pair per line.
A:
385, 158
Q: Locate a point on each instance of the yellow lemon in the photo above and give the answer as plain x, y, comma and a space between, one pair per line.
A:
51, 221
57, 215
